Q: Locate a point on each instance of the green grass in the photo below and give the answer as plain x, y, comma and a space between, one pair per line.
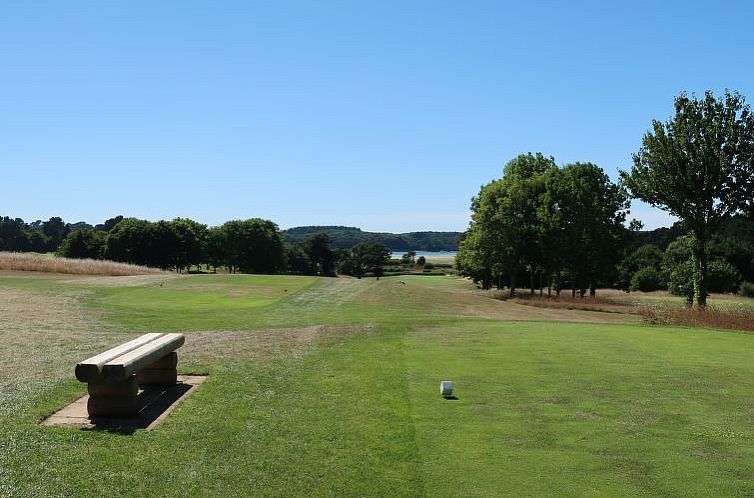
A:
543, 408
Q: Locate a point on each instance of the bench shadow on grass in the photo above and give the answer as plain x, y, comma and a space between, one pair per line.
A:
155, 403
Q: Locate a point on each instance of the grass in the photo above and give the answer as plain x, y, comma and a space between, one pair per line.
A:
34, 262
328, 387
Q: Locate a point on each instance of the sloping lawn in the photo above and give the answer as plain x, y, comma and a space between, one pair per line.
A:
344, 401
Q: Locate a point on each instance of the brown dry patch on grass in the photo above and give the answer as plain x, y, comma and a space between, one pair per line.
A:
448, 299
507, 310
16, 261
259, 344
711, 318
603, 304
42, 336
122, 281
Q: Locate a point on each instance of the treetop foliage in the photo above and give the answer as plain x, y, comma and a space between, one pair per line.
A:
699, 165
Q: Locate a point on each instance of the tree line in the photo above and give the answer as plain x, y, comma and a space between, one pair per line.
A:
238, 246
566, 225
348, 237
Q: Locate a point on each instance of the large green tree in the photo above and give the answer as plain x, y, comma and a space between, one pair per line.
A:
192, 243
698, 166
87, 243
320, 254
587, 213
56, 230
544, 219
253, 246
507, 233
130, 241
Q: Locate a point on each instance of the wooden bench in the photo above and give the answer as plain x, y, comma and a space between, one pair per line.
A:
113, 377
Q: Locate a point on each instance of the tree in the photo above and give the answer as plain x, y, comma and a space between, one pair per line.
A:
473, 259
544, 220
109, 224
163, 245
408, 258
215, 253
320, 254
56, 230
192, 242
509, 213
80, 244
646, 279
253, 246
12, 235
587, 213
130, 241
699, 166
363, 258
298, 260
645, 257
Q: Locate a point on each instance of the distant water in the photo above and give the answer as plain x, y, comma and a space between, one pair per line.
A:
428, 254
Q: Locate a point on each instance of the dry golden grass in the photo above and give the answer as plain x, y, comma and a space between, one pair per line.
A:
16, 261
655, 308
601, 303
711, 317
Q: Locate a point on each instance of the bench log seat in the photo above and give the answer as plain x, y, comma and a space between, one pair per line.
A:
113, 377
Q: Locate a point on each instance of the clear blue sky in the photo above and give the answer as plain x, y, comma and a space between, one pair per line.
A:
385, 115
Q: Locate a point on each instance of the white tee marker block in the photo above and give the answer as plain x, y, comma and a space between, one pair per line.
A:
446, 388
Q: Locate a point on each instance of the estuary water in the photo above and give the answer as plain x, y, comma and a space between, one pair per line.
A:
427, 254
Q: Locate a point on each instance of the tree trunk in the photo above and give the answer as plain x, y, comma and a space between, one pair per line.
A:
540, 282
592, 291
558, 284
700, 268
513, 285
531, 280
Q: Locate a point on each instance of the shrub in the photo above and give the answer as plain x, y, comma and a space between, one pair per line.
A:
428, 266
646, 280
746, 289
722, 276
681, 280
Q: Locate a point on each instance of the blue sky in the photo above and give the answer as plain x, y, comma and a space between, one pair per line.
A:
385, 115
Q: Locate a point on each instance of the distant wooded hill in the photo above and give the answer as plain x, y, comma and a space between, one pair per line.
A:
347, 237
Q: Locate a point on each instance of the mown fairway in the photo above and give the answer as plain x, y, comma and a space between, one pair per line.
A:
328, 387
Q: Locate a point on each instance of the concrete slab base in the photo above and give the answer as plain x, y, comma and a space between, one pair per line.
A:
155, 403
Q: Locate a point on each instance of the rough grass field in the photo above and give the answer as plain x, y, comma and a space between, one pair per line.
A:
34, 262
328, 387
